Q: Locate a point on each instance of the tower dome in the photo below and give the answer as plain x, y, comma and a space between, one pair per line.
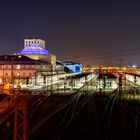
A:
34, 49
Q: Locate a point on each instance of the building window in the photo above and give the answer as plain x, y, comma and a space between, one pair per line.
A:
18, 67
43, 67
18, 73
27, 66
30, 74
6, 74
24, 74
6, 66
22, 67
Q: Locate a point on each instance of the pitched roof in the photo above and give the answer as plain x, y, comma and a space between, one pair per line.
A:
106, 75
18, 59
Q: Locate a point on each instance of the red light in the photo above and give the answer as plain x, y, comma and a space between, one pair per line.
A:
123, 77
116, 71
101, 71
109, 71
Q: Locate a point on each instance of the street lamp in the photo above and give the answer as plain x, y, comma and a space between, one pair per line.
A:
3, 73
57, 82
12, 71
64, 84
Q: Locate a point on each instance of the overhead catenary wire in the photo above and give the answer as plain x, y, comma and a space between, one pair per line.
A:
106, 55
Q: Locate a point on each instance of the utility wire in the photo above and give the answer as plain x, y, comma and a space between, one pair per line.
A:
107, 54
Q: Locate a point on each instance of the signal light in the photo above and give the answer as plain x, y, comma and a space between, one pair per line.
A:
109, 71
101, 71
123, 77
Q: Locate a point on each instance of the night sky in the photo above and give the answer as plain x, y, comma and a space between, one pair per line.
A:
95, 32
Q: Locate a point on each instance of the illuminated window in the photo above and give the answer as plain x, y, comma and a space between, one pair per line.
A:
6, 66
33, 66
19, 56
30, 66
43, 67
18, 73
9, 66
22, 66
27, 66
18, 67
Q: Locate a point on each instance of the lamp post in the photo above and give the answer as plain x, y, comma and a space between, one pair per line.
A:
120, 86
18, 77
64, 84
57, 82
3, 73
51, 79
4, 68
12, 71
135, 81
47, 82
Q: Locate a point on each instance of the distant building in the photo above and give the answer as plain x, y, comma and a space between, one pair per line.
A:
35, 49
24, 71
78, 80
107, 80
28, 42
73, 66
34, 65
20, 69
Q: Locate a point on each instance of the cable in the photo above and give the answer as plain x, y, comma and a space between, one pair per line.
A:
107, 55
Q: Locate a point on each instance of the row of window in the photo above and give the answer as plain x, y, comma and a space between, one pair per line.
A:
20, 74
17, 66
31, 42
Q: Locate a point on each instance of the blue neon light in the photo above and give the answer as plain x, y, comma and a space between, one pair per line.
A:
34, 49
75, 67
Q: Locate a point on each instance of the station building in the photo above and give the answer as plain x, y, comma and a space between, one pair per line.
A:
73, 66
35, 49
20, 69
78, 80
107, 80
34, 65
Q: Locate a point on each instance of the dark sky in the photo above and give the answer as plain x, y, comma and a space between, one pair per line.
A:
96, 32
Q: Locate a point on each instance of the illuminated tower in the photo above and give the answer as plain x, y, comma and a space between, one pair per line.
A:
35, 49
29, 42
